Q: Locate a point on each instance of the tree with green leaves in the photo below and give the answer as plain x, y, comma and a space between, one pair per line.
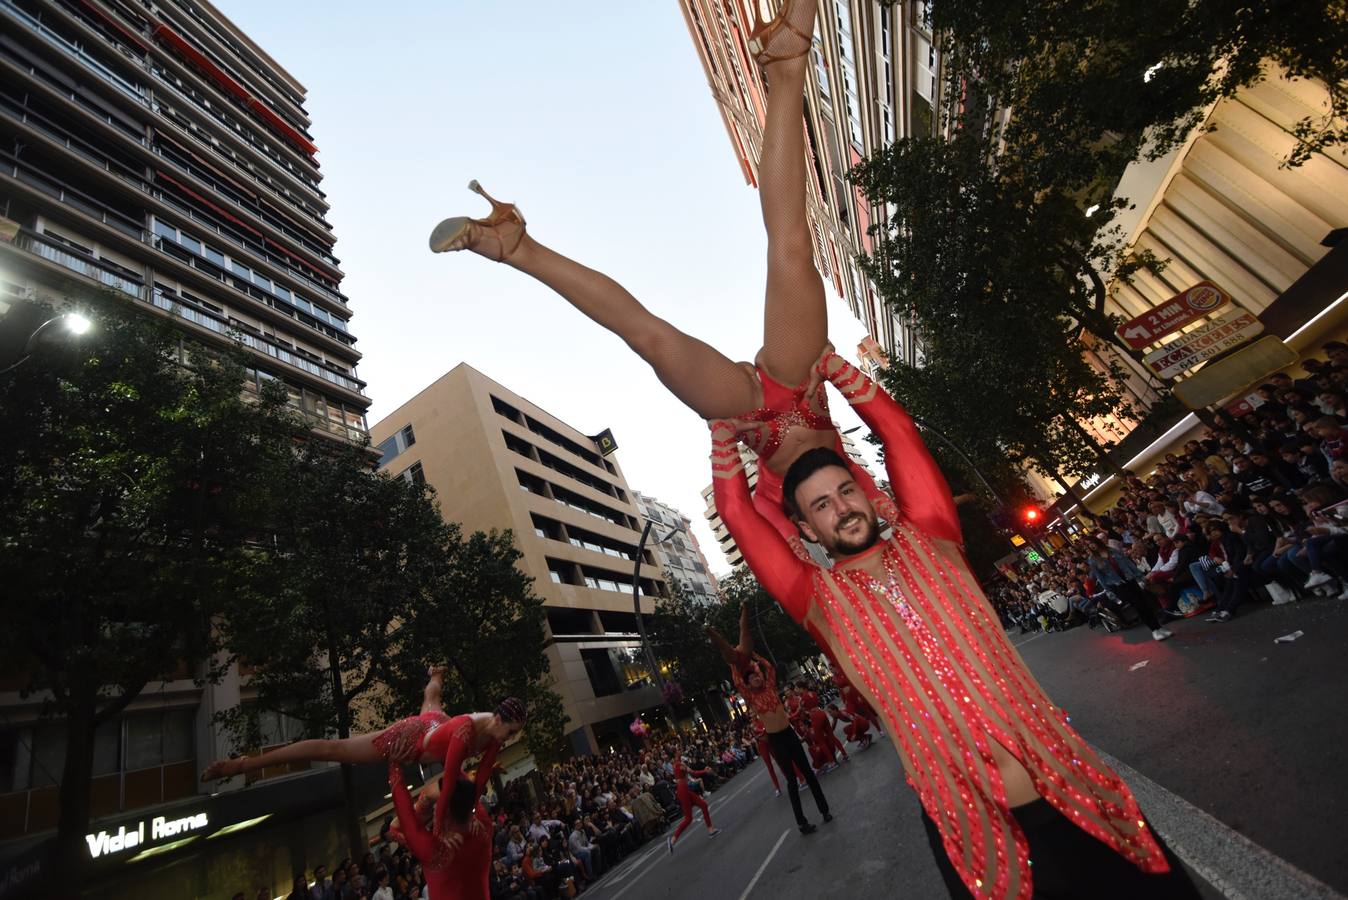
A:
345, 558
360, 587
1093, 85
125, 526
481, 618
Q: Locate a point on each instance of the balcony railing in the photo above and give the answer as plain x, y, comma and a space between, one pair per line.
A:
88, 267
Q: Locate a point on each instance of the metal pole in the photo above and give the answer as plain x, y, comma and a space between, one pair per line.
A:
641, 627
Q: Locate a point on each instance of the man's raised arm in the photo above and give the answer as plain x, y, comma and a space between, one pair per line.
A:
782, 574
919, 488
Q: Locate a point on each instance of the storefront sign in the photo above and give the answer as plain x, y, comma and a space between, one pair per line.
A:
103, 843
1187, 306
1227, 376
1203, 343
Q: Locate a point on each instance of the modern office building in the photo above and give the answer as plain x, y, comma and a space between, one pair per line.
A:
874, 80
498, 461
680, 556
718, 528
154, 155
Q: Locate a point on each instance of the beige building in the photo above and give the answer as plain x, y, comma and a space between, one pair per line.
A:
680, 555
874, 80
498, 461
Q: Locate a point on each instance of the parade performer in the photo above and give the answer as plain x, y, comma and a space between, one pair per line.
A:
1000, 773
455, 858
765, 752
856, 727
431, 736
688, 798
821, 730
756, 680
767, 398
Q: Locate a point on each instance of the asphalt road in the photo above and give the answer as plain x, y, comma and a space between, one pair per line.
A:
1232, 743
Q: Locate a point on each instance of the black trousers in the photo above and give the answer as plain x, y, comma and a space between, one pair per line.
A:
1071, 864
1139, 600
786, 749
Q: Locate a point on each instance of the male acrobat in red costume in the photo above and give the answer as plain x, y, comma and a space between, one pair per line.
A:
455, 853
688, 798
756, 680
1001, 775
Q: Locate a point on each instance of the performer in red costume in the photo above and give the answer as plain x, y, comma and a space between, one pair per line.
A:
688, 798
455, 854
765, 752
776, 419
431, 736
821, 729
1001, 775
756, 680
856, 727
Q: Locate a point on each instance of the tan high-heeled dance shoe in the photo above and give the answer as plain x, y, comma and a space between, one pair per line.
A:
763, 32
463, 233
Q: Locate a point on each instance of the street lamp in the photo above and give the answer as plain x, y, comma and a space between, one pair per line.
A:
73, 323
636, 608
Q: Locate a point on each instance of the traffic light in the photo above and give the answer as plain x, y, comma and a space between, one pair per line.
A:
1031, 519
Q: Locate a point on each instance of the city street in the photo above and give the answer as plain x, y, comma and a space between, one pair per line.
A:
1229, 740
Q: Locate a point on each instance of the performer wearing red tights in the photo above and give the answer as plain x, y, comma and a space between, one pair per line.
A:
822, 730
765, 752
999, 771
856, 728
455, 858
767, 398
688, 798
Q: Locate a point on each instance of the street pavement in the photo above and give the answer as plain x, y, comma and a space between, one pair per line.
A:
1232, 743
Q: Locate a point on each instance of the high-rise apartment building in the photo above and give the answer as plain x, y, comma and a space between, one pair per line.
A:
498, 461
874, 80
680, 556
153, 154
718, 528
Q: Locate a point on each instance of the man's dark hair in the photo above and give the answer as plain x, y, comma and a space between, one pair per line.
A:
806, 464
462, 801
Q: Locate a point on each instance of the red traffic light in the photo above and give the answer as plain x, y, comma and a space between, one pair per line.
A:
1031, 515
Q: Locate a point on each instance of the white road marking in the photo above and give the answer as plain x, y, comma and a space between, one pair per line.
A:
1225, 858
1027, 640
759, 874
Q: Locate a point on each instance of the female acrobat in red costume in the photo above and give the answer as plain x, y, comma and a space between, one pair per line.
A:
768, 400
688, 799
431, 736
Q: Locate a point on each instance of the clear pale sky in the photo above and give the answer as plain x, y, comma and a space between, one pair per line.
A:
596, 119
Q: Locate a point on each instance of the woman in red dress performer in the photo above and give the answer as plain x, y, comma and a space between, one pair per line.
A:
455, 853
429, 737
688, 798
777, 420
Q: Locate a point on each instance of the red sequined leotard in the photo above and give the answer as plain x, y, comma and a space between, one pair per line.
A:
926, 650
434, 734
785, 408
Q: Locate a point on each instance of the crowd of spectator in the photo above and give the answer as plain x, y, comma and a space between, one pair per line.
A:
1253, 509
555, 833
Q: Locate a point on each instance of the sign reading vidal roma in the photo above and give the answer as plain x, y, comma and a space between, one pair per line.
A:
126, 838
1172, 315
1203, 343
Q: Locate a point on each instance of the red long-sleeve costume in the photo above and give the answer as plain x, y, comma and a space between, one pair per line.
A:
926, 650
452, 873
687, 797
